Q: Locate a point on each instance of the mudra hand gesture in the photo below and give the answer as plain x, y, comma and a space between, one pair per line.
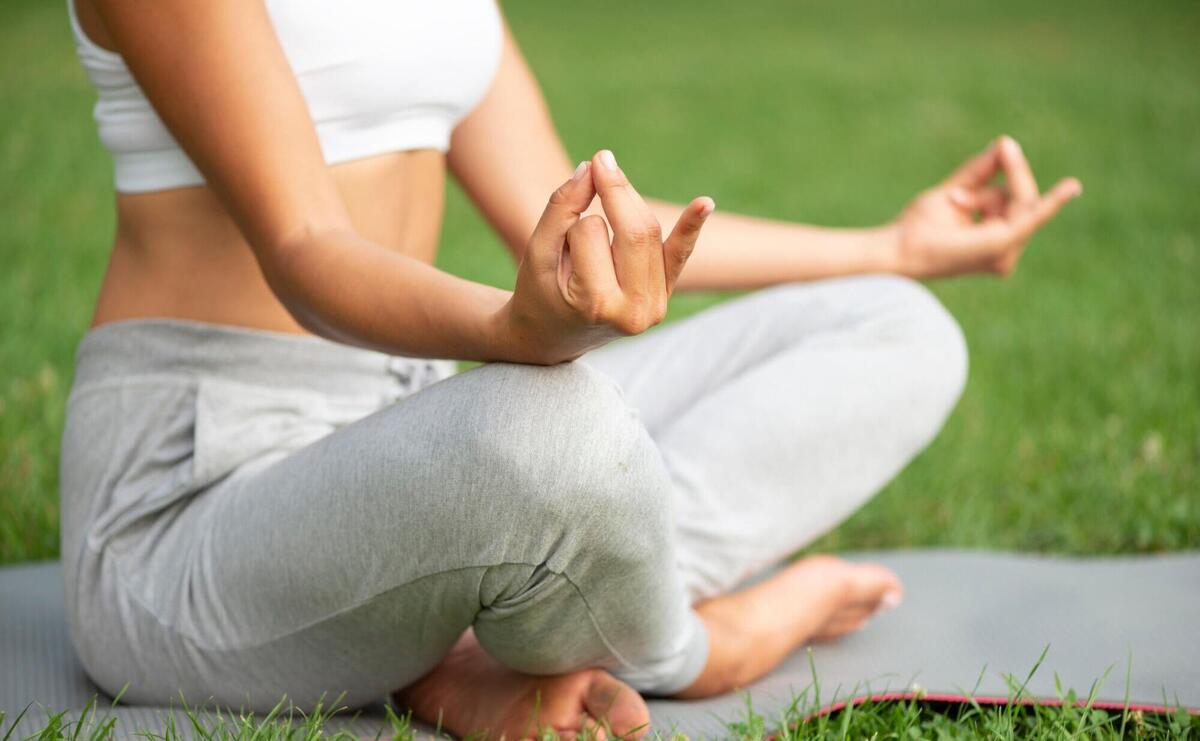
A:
968, 223
577, 288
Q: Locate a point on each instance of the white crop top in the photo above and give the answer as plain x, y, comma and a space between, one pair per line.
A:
377, 75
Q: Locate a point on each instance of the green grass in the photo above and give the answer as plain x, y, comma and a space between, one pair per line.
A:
1075, 717
1079, 430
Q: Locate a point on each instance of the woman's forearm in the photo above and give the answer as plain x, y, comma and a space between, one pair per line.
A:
350, 290
742, 252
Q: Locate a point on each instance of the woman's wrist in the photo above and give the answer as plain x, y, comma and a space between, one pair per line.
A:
500, 336
515, 339
882, 253
512, 340
504, 342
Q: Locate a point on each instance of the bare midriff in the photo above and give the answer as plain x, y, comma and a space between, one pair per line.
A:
177, 253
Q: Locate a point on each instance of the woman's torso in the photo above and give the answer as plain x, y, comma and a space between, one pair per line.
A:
177, 252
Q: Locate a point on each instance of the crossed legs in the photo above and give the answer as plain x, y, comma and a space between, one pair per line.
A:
573, 531
776, 416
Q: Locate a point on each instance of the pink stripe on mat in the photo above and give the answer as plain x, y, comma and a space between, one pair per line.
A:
992, 700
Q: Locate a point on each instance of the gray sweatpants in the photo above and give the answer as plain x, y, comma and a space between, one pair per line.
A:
248, 514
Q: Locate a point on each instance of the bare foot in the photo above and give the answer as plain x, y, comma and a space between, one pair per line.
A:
815, 598
869, 589
471, 694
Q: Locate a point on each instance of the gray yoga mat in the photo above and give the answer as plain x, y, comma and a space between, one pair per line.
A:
968, 620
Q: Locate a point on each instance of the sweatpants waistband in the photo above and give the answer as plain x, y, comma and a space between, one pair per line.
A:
190, 349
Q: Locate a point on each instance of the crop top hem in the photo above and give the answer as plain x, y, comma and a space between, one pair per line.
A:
147, 171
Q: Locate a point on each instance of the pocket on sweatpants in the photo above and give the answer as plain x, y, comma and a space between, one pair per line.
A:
238, 423
145, 427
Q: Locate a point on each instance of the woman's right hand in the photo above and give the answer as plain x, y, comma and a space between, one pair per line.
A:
575, 289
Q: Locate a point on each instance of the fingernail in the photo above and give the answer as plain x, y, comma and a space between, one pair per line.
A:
608, 160
1076, 189
959, 196
1012, 144
581, 170
707, 208
890, 600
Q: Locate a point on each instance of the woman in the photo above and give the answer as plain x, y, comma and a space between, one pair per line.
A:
268, 489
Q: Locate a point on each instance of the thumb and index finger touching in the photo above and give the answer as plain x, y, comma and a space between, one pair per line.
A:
623, 207
1004, 155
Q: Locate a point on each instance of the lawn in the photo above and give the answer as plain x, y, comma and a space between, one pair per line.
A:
1079, 430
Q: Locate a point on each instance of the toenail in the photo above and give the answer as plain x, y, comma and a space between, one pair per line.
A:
890, 600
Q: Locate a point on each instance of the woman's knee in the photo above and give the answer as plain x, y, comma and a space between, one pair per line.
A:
569, 452
589, 487
907, 314
888, 312
935, 328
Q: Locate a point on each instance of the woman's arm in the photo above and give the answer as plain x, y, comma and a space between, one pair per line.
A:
750, 252
962, 225
218, 78
945, 231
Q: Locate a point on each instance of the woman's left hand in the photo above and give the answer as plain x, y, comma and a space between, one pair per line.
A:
967, 224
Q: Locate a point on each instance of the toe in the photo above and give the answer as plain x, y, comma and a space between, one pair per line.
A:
891, 599
875, 586
617, 706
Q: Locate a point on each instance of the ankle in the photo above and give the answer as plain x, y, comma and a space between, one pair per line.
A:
751, 631
735, 631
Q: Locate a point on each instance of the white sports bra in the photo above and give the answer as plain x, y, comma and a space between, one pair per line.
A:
377, 75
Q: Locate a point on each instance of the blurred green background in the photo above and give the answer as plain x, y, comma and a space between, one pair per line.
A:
1079, 428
